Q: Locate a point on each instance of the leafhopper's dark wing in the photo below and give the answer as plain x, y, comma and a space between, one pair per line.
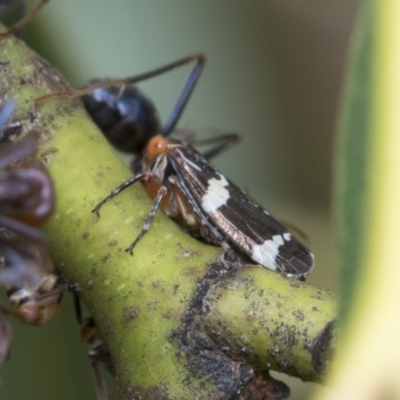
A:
242, 220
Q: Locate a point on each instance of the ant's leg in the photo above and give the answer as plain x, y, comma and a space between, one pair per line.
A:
61, 285
77, 307
199, 58
162, 191
23, 21
99, 383
224, 142
187, 91
88, 333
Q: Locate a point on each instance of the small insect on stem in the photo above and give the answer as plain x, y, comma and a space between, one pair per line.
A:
24, 20
192, 191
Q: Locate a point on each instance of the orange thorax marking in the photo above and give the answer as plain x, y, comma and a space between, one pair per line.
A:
174, 204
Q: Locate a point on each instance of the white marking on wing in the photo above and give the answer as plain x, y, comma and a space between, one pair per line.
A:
286, 236
266, 253
217, 195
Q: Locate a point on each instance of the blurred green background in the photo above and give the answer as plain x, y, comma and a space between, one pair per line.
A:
274, 73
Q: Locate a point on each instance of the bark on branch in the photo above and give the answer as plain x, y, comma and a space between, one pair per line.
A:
179, 324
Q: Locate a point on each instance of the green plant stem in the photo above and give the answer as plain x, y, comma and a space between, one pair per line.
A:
178, 323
